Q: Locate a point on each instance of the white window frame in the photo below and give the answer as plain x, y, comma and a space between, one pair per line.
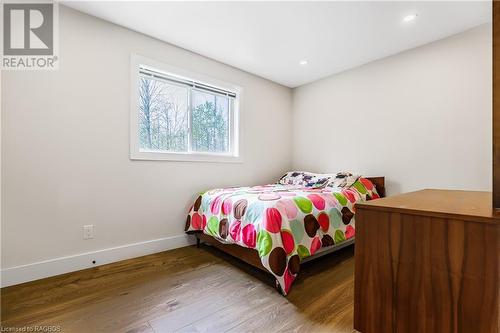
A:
233, 156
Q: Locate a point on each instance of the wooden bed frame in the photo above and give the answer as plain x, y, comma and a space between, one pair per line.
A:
251, 256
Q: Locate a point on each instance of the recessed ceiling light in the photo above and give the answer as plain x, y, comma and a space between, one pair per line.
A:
410, 18
303, 62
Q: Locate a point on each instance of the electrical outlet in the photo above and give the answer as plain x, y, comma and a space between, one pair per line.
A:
88, 231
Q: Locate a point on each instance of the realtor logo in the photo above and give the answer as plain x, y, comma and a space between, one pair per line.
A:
29, 36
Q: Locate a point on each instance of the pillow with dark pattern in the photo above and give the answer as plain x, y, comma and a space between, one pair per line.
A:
343, 179
304, 178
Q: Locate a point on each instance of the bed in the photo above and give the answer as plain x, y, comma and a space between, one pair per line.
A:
277, 227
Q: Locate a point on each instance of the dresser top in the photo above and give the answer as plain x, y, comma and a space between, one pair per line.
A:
467, 205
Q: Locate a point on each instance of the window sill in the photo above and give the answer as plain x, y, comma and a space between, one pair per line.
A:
184, 157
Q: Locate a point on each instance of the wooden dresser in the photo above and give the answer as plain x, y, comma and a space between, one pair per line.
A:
427, 261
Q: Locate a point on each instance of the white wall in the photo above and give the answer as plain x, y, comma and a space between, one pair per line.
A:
65, 147
421, 118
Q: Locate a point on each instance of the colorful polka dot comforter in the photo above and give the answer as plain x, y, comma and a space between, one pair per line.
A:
284, 223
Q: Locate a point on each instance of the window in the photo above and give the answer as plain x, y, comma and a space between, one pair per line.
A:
176, 115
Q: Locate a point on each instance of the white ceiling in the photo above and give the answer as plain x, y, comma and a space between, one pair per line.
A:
269, 39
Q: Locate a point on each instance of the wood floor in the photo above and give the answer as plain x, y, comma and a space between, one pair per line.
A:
187, 290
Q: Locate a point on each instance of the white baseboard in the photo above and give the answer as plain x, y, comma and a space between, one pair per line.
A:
39, 270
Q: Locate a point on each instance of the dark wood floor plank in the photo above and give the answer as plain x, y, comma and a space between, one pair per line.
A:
228, 317
190, 290
151, 300
207, 306
103, 287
